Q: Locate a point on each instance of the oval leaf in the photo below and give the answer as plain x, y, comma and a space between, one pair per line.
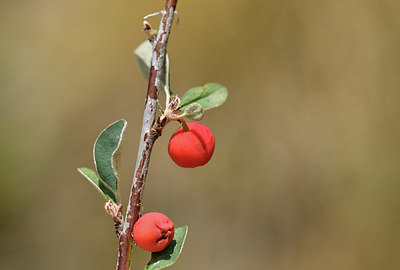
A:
167, 257
144, 54
106, 153
95, 180
208, 96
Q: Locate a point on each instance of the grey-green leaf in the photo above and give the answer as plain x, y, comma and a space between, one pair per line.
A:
194, 111
208, 96
144, 54
106, 153
95, 180
167, 257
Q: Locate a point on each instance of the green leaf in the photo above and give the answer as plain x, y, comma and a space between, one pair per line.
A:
167, 257
194, 111
95, 180
107, 153
144, 54
208, 96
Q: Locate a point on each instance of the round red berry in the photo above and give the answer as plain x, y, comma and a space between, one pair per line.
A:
192, 148
153, 232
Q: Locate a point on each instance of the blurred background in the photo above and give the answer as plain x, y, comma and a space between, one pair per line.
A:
306, 169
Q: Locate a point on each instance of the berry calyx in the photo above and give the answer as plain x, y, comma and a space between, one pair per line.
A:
193, 147
153, 232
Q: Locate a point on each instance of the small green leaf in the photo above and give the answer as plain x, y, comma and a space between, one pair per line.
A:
208, 96
107, 152
194, 111
167, 257
144, 54
95, 180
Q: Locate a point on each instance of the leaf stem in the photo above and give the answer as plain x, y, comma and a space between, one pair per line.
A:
148, 136
167, 96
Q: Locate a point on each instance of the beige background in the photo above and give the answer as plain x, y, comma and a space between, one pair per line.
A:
306, 169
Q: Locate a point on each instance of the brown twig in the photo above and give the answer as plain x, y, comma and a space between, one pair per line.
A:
148, 136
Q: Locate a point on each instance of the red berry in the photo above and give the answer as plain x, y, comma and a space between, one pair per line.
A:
153, 232
192, 148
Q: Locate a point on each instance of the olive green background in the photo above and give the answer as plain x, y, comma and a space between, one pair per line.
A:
306, 172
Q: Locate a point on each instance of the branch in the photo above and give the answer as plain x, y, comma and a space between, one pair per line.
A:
148, 135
